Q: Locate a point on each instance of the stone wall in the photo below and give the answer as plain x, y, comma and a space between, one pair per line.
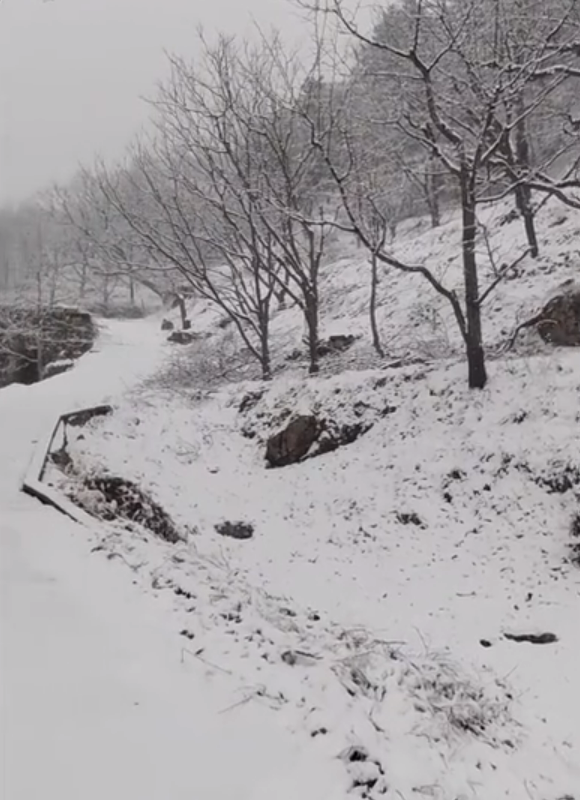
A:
33, 338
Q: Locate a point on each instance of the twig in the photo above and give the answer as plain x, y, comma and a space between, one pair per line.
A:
527, 324
197, 655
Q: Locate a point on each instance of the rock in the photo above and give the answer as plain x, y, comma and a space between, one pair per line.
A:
182, 337
409, 518
559, 321
532, 638
235, 530
307, 436
354, 754
57, 368
335, 344
120, 498
291, 444
32, 338
326, 347
167, 325
250, 400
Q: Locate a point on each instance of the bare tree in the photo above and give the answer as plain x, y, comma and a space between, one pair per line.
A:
107, 253
536, 45
454, 93
226, 193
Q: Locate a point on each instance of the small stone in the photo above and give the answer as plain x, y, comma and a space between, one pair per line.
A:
182, 337
532, 638
235, 530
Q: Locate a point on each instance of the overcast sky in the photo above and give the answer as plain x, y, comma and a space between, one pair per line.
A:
72, 73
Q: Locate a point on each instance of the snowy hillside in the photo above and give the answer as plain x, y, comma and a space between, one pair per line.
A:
377, 610
414, 321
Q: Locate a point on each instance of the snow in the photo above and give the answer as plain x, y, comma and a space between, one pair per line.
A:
328, 538
96, 700
370, 608
99, 699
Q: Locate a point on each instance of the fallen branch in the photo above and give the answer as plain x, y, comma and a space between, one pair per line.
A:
527, 324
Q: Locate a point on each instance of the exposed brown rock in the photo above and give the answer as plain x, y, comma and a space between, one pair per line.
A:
293, 443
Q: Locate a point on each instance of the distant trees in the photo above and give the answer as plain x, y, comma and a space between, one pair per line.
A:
108, 256
34, 252
52, 251
226, 193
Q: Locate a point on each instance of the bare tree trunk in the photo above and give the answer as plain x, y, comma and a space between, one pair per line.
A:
265, 359
263, 300
373, 306
524, 206
106, 293
39, 355
38, 282
83, 283
53, 289
311, 316
433, 187
180, 301
131, 291
283, 290
524, 193
5, 268
473, 332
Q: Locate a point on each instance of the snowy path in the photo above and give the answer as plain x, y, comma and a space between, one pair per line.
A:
96, 702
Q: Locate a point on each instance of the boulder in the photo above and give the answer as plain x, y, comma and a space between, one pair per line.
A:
335, 344
293, 443
182, 337
167, 325
559, 321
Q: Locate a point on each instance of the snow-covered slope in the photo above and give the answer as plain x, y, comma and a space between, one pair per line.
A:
437, 532
367, 617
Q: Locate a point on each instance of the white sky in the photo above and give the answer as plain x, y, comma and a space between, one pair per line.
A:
72, 73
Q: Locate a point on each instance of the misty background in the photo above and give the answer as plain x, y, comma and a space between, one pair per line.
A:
73, 74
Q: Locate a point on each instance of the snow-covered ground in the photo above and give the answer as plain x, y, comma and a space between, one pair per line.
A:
486, 553
358, 639
99, 698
